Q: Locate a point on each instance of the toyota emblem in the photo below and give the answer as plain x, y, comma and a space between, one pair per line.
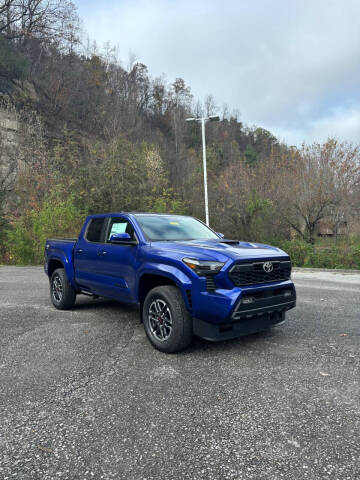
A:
268, 267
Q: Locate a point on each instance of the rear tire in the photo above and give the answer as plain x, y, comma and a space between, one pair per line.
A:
167, 323
62, 294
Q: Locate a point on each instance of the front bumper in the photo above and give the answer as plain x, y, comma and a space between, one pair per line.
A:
250, 310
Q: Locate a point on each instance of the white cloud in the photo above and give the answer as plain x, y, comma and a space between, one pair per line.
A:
343, 124
287, 65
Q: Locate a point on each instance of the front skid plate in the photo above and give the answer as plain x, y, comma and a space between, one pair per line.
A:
227, 331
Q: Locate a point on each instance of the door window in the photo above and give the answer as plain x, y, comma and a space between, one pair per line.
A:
95, 230
120, 225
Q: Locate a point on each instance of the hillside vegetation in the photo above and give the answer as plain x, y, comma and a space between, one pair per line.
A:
95, 136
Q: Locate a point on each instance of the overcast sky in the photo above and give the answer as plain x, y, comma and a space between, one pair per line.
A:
291, 66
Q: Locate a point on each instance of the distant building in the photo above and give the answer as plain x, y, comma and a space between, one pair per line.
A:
329, 229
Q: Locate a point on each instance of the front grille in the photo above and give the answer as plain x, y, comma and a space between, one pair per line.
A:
253, 273
210, 283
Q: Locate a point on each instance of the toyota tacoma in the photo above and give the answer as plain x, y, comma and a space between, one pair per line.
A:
187, 279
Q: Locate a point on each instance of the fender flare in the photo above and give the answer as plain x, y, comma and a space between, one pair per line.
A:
181, 280
66, 265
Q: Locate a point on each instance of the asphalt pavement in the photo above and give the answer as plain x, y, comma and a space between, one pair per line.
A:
83, 394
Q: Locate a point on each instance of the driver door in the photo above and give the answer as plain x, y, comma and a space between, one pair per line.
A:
119, 262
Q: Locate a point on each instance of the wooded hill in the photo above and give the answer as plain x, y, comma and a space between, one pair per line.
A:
94, 136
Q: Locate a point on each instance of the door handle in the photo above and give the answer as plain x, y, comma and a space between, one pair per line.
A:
79, 251
102, 253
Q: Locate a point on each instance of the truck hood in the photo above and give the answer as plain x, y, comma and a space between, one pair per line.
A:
221, 250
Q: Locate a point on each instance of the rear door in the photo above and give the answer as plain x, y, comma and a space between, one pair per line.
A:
88, 258
119, 262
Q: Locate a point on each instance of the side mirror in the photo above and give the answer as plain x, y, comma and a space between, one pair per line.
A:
221, 235
122, 238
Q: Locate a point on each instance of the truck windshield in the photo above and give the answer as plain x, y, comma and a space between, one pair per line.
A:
174, 227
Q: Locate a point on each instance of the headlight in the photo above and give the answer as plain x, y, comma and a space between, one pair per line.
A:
203, 267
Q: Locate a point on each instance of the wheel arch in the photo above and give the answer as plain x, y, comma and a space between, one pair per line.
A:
148, 281
53, 265
61, 262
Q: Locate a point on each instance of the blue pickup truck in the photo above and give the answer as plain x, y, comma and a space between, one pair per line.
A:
187, 279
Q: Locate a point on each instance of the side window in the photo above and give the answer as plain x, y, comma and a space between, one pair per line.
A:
95, 230
120, 225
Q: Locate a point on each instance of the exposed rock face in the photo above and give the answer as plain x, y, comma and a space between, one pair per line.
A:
20, 94
9, 125
9, 137
21, 136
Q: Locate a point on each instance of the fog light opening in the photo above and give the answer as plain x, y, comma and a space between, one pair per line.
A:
247, 300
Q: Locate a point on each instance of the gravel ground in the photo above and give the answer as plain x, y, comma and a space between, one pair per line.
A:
85, 396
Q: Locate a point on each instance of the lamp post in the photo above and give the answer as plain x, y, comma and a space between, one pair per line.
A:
203, 120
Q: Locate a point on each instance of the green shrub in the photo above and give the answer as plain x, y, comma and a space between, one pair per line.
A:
300, 252
323, 254
325, 258
355, 255
26, 239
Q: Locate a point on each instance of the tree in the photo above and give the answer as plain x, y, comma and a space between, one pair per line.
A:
124, 176
13, 65
210, 105
250, 155
179, 105
46, 20
314, 182
242, 202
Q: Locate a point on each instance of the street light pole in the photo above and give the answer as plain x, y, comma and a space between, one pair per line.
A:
203, 120
205, 170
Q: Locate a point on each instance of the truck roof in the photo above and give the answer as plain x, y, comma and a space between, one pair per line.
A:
137, 213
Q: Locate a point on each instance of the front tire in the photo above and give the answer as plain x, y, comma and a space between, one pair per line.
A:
167, 323
62, 294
